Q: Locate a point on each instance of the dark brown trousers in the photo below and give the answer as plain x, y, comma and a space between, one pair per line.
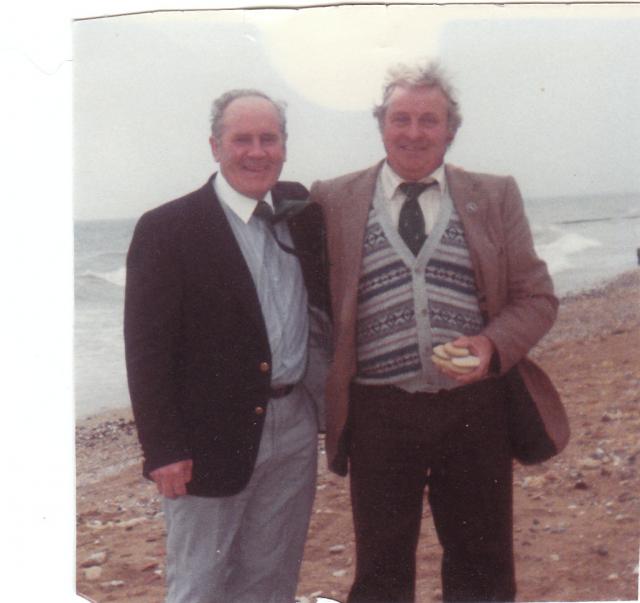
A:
454, 444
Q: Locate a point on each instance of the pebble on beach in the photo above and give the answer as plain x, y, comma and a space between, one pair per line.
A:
576, 517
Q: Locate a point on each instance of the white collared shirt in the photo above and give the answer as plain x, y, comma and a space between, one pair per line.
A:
429, 200
242, 206
277, 277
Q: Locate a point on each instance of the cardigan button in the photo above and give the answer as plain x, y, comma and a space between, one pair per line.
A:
264, 367
259, 410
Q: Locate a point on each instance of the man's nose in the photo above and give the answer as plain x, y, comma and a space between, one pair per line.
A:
414, 130
257, 148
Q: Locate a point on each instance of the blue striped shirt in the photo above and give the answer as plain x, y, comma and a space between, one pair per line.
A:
278, 280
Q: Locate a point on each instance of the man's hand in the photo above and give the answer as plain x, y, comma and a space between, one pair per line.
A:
172, 479
480, 346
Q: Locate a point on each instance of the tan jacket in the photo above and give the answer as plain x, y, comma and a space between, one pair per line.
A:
515, 294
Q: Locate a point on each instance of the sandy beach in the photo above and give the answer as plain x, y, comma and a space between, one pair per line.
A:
577, 516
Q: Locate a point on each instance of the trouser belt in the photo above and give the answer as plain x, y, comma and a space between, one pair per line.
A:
280, 392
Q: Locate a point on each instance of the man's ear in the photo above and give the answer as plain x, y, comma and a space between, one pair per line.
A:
215, 149
450, 138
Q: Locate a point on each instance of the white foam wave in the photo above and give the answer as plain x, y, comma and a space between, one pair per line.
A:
115, 277
557, 253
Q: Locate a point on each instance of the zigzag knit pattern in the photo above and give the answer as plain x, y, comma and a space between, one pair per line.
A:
388, 347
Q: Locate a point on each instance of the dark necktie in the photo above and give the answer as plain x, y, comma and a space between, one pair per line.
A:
264, 212
411, 222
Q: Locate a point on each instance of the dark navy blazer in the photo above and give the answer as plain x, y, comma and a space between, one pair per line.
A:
197, 352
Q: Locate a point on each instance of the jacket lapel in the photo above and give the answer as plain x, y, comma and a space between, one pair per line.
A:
472, 204
351, 222
220, 246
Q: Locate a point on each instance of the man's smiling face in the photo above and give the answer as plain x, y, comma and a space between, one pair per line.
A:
415, 131
251, 149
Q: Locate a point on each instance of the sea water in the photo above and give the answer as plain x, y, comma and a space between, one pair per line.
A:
99, 370
584, 240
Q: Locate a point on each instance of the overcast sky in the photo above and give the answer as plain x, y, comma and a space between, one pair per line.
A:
549, 94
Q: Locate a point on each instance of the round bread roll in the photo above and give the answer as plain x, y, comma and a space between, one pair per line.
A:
448, 364
440, 352
455, 351
466, 361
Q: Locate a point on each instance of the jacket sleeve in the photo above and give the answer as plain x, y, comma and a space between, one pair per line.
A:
152, 327
315, 268
529, 307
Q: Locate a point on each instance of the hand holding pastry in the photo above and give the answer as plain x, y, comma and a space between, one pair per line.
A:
465, 359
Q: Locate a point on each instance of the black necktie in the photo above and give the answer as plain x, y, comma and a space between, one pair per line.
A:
264, 212
411, 222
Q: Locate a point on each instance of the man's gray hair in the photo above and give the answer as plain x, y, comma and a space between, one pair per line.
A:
430, 75
222, 102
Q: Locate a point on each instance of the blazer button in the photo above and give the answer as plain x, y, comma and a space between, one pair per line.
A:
259, 410
264, 367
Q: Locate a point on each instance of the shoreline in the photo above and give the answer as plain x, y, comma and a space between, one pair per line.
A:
576, 516
623, 279
618, 283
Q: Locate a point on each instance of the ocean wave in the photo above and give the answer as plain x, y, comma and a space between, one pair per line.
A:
113, 277
105, 256
629, 216
557, 253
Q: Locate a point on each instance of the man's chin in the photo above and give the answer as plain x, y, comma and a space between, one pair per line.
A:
417, 167
256, 186
414, 172
265, 177
257, 191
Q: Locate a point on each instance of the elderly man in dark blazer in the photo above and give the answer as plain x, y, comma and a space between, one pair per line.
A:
219, 284
424, 255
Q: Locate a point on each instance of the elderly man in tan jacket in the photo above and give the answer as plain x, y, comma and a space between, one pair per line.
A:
437, 296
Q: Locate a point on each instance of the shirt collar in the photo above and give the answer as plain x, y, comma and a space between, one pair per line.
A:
390, 180
238, 203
